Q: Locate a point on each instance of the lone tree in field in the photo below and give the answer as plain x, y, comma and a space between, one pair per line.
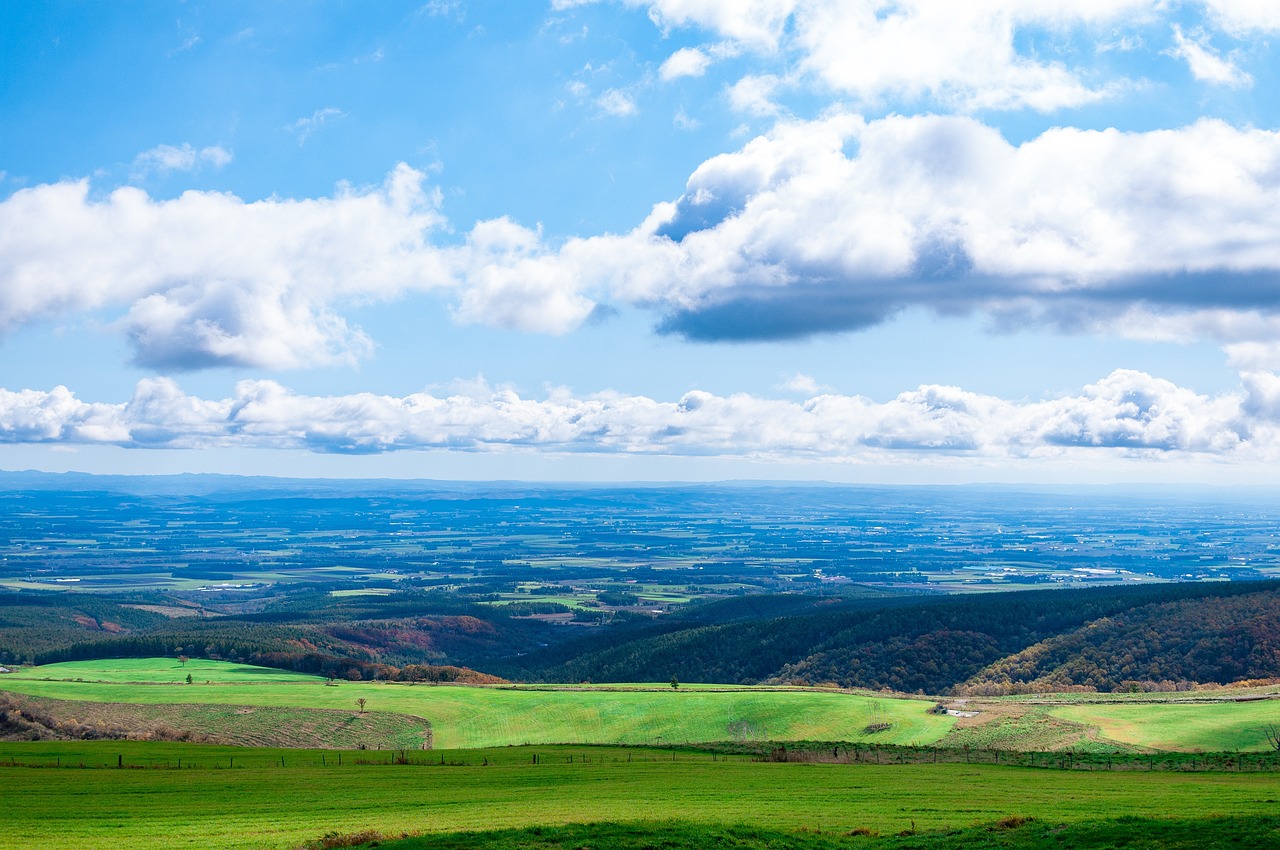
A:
1272, 731
360, 702
675, 683
182, 659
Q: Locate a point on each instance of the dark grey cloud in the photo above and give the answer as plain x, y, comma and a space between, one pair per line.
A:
794, 313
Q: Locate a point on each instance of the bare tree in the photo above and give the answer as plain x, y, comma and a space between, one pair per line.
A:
877, 718
360, 702
182, 659
1272, 731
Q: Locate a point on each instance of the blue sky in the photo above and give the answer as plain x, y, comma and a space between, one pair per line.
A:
802, 239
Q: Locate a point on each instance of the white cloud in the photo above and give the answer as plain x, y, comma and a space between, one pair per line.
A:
757, 23
165, 159
1242, 18
207, 279
993, 54
795, 234
514, 281
303, 128
753, 94
685, 62
821, 226
617, 103
1206, 65
803, 384
1127, 414
961, 54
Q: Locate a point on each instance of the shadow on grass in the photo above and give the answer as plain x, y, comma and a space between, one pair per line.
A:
1014, 832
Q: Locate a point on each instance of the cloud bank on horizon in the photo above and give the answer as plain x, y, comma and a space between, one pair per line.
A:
1130, 412
1095, 168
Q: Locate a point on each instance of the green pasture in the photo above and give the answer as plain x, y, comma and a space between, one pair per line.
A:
159, 671
265, 802
467, 717
1216, 726
648, 714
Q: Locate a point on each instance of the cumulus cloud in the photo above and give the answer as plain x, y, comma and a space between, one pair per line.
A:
1127, 413
754, 93
820, 226
837, 224
513, 280
1206, 65
966, 56
685, 62
166, 159
960, 54
208, 279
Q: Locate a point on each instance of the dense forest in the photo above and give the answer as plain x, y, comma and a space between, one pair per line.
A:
1164, 637
957, 644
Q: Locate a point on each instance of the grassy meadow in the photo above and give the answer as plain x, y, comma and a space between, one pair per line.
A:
226, 696
280, 798
471, 717
1215, 726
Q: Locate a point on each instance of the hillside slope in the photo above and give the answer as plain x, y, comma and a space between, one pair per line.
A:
1155, 647
1223, 633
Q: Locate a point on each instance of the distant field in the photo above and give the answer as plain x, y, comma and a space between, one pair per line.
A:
160, 671
266, 802
465, 717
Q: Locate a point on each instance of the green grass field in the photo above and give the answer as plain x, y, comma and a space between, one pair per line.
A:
262, 802
168, 671
1217, 833
468, 717
648, 714
1174, 726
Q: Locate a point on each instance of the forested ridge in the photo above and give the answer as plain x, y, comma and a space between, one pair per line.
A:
944, 644
1163, 636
